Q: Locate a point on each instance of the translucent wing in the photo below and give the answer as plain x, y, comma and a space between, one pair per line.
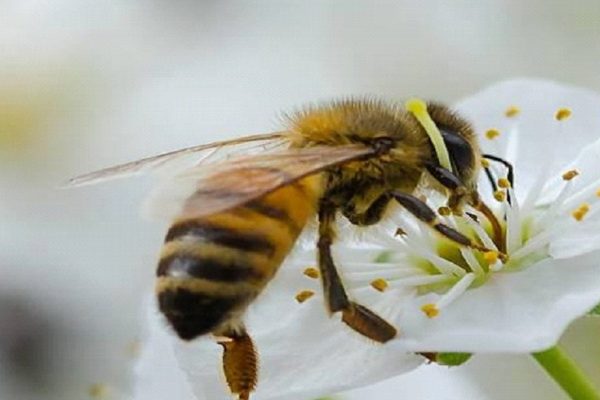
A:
195, 153
208, 189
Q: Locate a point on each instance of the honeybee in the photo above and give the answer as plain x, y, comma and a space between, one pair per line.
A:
238, 217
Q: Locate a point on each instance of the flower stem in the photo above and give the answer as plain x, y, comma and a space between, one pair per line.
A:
567, 374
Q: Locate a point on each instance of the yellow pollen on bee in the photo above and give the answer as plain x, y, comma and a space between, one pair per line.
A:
503, 183
485, 163
430, 310
512, 111
311, 272
444, 211
304, 295
380, 284
492, 133
98, 391
499, 195
491, 257
567, 176
580, 212
562, 113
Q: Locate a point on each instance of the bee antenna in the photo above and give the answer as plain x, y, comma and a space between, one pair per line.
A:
508, 165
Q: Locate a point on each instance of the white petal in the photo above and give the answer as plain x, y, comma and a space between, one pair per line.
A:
543, 141
513, 312
303, 353
158, 375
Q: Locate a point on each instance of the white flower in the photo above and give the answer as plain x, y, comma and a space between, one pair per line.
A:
442, 298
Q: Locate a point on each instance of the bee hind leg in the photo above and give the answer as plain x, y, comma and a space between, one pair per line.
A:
240, 363
356, 316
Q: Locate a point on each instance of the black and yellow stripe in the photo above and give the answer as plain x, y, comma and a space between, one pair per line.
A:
211, 267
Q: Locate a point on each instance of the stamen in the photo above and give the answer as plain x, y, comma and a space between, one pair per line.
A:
433, 310
304, 295
380, 284
430, 310
491, 257
567, 176
581, 211
461, 286
512, 111
562, 114
311, 272
492, 133
485, 163
482, 234
500, 196
419, 109
503, 183
493, 260
422, 280
496, 227
444, 211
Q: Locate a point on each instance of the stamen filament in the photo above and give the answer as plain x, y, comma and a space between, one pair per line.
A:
461, 286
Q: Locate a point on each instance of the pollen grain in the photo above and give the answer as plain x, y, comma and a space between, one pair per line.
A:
380, 284
304, 295
311, 272
430, 310
512, 111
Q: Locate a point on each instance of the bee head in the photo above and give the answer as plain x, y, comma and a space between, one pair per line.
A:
461, 144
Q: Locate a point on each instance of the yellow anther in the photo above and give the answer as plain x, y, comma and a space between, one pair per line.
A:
430, 310
444, 211
311, 272
581, 211
562, 113
598, 193
492, 133
512, 111
418, 108
499, 195
380, 284
98, 391
503, 183
485, 163
567, 176
491, 257
304, 295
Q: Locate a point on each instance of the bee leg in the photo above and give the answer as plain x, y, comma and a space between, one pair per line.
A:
459, 191
358, 317
450, 181
424, 213
240, 363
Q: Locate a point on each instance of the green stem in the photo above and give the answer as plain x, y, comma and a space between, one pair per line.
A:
567, 374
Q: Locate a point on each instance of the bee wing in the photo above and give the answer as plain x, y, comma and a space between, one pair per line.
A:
208, 189
197, 154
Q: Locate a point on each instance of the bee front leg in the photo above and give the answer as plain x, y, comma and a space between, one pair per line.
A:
240, 363
423, 212
358, 317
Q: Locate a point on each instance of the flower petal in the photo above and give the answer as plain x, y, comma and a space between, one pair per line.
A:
522, 311
158, 374
543, 142
303, 352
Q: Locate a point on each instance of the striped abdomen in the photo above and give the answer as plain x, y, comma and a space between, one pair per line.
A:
212, 267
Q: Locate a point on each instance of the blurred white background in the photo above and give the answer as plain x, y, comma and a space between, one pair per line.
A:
85, 84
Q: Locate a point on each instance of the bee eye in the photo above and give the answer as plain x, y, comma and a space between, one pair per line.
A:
383, 144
